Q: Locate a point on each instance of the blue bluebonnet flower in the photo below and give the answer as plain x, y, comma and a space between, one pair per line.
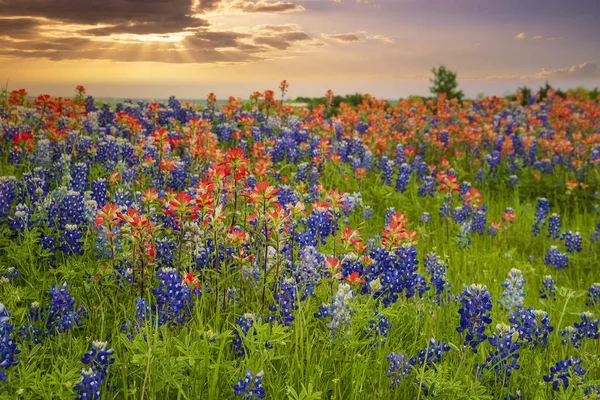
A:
533, 326
593, 238
142, 314
99, 191
543, 206
570, 336
250, 386
29, 331
244, 323
588, 327
378, 328
285, 302
79, 177
573, 241
387, 168
404, 172
399, 368
21, 219
463, 237
474, 314
513, 296
460, 214
96, 376
513, 180
427, 187
505, 355
71, 209
425, 217
62, 315
398, 273
8, 194
389, 213
173, 302
70, 242
479, 220
8, 348
432, 354
437, 271
340, 310
308, 271
10, 274
554, 225
556, 259
548, 290
593, 295
565, 372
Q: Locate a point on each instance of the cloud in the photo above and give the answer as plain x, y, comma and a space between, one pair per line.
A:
343, 37
521, 36
537, 38
587, 70
260, 6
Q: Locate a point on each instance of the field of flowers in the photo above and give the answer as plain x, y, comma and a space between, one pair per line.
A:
422, 250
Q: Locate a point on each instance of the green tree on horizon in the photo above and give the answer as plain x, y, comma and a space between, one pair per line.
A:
444, 81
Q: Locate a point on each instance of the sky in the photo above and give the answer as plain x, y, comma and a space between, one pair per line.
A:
189, 48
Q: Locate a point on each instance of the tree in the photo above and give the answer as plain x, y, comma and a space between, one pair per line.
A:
444, 81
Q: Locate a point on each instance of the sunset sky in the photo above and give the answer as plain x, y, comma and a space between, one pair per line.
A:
188, 48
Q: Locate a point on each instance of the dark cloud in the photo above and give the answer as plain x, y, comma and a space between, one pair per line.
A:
275, 42
262, 6
295, 36
344, 37
214, 40
19, 27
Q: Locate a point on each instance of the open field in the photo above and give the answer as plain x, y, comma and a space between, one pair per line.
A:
418, 250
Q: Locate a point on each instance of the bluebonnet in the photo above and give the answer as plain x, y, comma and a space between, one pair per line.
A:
513, 180
21, 219
245, 323
173, 302
389, 213
70, 242
308, 270
475, 314
250, 386
62, 315
29, 330
554, 225
463, 237
8, 348
505, 355
556, 259
367, 213
425, 217
573, 241
9, 275
340, 310
96, 376
571, 336
71, 209
479, 220
460, 214
565, 372
142, 314
588, 327
79, 177
398, 272
548, 290
513, 296
533, 326
399, 368
387, 168
543, 206
593, 238
404, 172
437, 271
99, 191
593, 295
285, 300
378, 328
427, 187
432, 354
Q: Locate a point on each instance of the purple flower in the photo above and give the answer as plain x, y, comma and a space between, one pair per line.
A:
474, 314
250, 386
8, 348
565, 372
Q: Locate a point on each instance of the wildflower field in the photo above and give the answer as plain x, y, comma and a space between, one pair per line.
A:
253, 250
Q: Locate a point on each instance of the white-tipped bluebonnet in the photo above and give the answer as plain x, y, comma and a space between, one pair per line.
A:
503, 360
463, 236
250, 387
573, 241
554, 226
533, 326
70, 242
593, 295
285, 303
427, 187
514, 295
556, 259
96, 377
565, 372
479, 220
399, 368
513, 180
432, 354
8, 348
543, 206
474, 314
173, 301
62, 315
340, 310
308, 271
404, 173
367, 213
548, 290
425, 217
588, 327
